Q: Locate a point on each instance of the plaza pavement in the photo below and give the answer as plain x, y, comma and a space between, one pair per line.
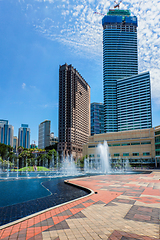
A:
125, 207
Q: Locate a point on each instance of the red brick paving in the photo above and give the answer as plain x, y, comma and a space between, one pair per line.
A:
119, 189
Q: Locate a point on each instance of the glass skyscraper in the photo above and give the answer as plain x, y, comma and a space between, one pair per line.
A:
6, 132
24, 136
97, 118
134, 102
120, 60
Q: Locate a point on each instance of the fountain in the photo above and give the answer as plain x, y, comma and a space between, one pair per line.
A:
100, 164
68, 167
53, 168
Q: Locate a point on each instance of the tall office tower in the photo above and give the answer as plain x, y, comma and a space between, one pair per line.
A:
6, 132
74, 111
134, 102
44, 134
24, 136
97, 118
120, 59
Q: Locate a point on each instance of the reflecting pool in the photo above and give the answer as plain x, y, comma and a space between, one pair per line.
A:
20, 198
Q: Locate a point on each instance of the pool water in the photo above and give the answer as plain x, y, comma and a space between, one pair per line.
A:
17, 191
20, 198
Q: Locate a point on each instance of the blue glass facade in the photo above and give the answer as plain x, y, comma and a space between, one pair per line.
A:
134, 102
24, 136
6, 132
120, 59
97, 118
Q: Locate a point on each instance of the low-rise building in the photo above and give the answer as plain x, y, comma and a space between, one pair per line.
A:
140, 147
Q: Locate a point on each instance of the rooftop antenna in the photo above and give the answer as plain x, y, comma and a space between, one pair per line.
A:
117, 4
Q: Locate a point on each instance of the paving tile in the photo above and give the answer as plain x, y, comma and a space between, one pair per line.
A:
78, 206
126, 207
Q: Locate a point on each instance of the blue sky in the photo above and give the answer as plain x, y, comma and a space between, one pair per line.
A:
37, 36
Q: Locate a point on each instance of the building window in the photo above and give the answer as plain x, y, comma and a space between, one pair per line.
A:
146, 153
116, 154
91, 155
125, 154
157, 153
125, 144
135, 154
157, 133
157, 139
91, 146
116, 145
135, 143
143, 143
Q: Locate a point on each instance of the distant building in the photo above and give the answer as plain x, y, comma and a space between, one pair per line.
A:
53, 139
33, 145
24, 136
74, 111
15, 143
44, 134
97, 118
6, 132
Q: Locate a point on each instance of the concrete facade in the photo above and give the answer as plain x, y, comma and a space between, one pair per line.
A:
137, 145
74, 111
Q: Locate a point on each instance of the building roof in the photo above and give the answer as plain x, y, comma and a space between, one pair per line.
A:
119, 12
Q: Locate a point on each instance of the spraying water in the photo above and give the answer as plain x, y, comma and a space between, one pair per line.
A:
101, 162
68, 167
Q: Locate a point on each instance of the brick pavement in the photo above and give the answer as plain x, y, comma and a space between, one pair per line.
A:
125, 207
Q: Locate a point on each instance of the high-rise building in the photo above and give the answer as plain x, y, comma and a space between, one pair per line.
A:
44, 134
24, 136
97, 118
120, 60
6, 132
74, 111
134, 102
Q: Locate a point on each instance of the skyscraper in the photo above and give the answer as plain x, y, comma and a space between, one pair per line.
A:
97, 118
74, 111
134, 102
24, 136
6, 132
120, 60
44, 134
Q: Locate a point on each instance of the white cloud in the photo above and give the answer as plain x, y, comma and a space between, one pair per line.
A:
23, 85
74, 24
